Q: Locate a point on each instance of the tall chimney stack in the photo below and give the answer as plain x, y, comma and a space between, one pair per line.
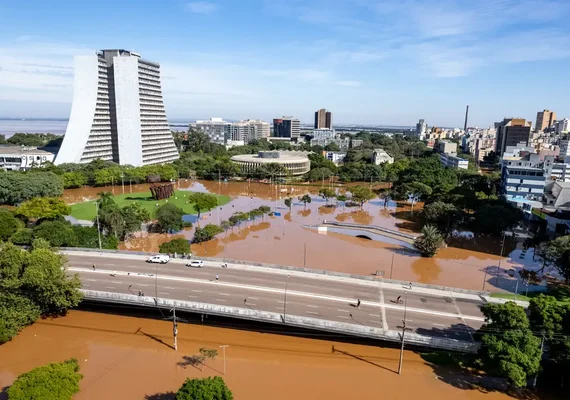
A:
466, 117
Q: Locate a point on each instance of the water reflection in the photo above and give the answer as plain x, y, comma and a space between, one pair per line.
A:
281, 239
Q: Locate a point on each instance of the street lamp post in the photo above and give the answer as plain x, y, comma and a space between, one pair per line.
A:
392, 265
285, 299
305, 255
98, 226
123, 182
403, 333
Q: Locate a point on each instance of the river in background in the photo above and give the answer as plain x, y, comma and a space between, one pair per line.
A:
287, 240
131, 358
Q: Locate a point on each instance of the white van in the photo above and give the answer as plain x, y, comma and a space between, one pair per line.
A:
161, 259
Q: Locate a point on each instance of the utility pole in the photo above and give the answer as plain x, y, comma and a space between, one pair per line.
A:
98, 227
224, 353
516, 289
123, 181
305, 256
403, 333
175, 328
541, 350
500, 259
392, 266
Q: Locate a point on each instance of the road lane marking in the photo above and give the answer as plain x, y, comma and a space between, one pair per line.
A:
164, 292
109, 287
279, 308
142, 284
342, 316
281, 301
338, 309
311, 312
197, 291
168, 287
221, 300
85, 285
91, 280
223, 294
310, 305
253, 298
252, 304
373, 315
375, 321
303, 294
117, 283
192, 297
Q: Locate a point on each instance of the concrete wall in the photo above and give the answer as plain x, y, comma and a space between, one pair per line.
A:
128, 110
86, 80
280, 318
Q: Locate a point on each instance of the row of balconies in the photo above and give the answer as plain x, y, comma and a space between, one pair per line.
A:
152, 77
146, 84
153, 111
148, 67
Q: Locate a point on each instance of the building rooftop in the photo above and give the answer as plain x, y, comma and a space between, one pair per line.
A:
524, 168
18, 150
283, 158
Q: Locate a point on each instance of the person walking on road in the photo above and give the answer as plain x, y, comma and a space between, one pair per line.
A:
398, 299
358, 303
93, 267
217, 277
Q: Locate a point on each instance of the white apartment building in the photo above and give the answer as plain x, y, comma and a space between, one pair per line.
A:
16, 158
452, 161
217, 129
563, 126
117, 112
565, 148
337, 157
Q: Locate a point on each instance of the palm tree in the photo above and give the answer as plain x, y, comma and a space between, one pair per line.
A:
429, 242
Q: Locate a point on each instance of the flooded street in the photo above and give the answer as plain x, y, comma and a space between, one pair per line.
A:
287, 239
129, 358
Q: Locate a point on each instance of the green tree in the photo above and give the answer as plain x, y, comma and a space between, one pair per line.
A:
134, 215
206, 233
306, 198
23, 236
203, 201
57, 233
288, 202
557, 253
327, 193
206, 388
43, 208
361, 194
318, 174
169, 218
332, 147
75, 179
178, 246
16, 312
546, 314
495, 218
17, 187
47, 283
8, 224
198, 141
87, 237
429, 242
443, 215
55, 381
508, 348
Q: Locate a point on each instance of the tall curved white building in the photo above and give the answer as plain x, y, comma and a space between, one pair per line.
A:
117, 112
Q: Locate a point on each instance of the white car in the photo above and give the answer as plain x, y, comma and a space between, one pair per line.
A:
195, 264
161, 259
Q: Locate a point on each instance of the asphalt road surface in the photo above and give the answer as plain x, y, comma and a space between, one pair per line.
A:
426, 313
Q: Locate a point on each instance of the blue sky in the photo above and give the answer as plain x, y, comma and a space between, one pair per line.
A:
384, 62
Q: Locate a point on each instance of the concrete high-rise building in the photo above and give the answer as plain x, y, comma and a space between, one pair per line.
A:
544, 120
563, 126
323, 119
249, 130
421, 129
512, 132
117, 112
288, 127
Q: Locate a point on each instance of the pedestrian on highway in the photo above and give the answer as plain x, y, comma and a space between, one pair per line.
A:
245, 300
398, 299
358, 304
410, 285
139, 293
142, 294
93, 267
114, 273
217, 277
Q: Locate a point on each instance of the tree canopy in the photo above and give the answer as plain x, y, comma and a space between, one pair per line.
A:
55, 381
43, 208
206, 388
429, 242
178, 246
203, 201
169, 218
9, 224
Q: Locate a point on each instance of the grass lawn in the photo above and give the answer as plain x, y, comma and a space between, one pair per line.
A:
86, 210
560, 292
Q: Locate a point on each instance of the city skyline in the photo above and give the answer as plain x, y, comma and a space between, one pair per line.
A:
371, 62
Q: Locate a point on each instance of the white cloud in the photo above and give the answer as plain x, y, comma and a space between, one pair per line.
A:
348, 83
201, 7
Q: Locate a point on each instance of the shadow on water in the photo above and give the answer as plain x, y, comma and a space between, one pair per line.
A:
161, 396
156, 339
337, 350
4, 393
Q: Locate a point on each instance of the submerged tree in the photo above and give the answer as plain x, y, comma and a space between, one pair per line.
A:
429, 242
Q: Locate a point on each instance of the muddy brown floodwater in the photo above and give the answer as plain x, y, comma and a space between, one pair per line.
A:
283, 239
128, 358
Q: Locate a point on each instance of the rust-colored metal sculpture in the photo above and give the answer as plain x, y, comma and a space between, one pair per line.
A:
159, 190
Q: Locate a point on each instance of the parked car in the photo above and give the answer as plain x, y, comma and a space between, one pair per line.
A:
195, 264
161, 259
